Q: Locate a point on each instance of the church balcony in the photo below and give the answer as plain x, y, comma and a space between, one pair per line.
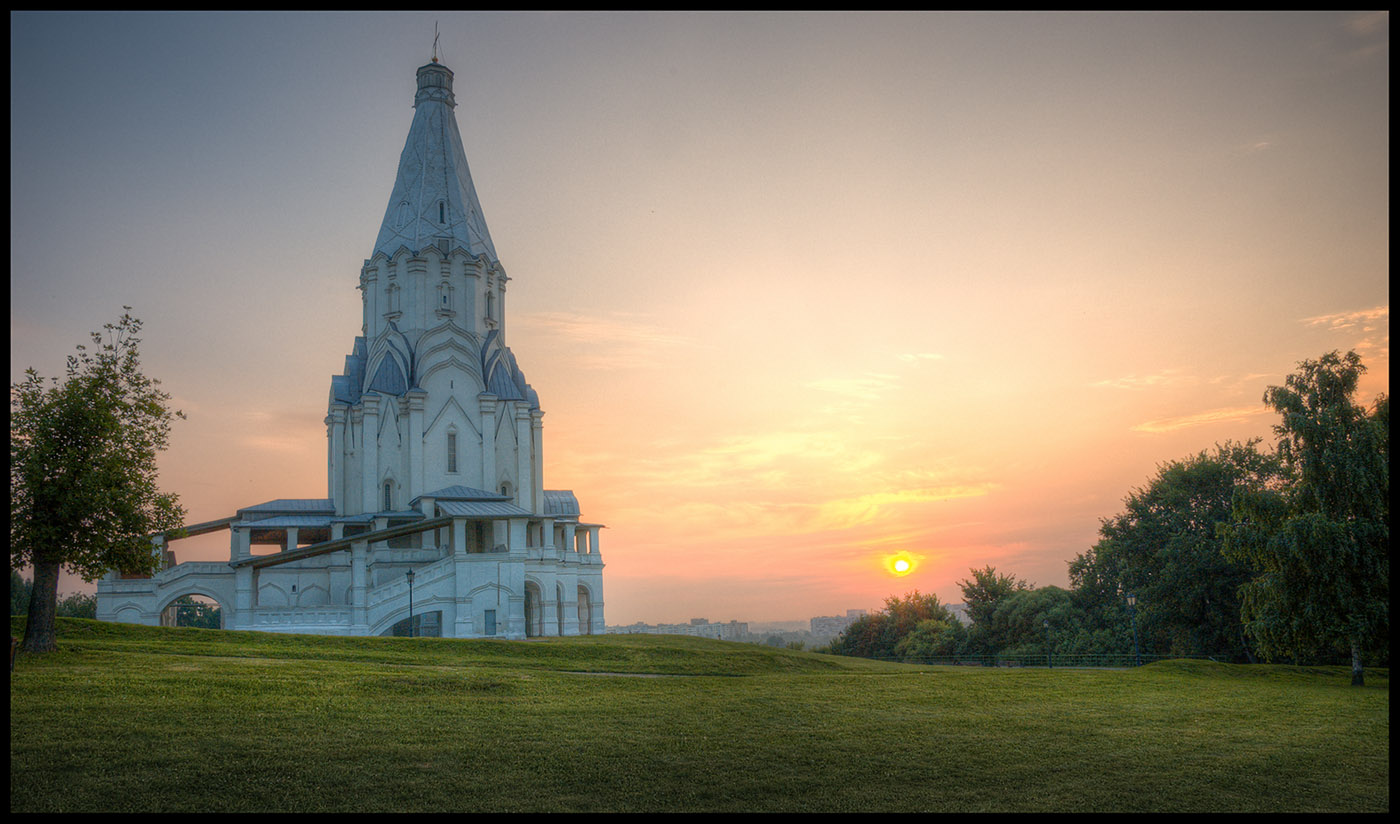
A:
544, 553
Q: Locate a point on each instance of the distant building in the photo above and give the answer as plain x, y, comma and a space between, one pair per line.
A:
698, 627
830, 626
436, 520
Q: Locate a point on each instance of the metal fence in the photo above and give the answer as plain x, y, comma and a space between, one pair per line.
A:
1067, 660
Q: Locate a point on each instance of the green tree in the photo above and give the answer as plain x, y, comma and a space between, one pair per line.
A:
1018, 626
982, 594
77, 605
192, 613
878, 635
1319, 543
19, 593
1164, 546
932, 638
83, 493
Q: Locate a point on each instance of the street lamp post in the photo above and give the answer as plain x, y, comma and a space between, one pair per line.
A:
1132, 611
410, 602
1048, 660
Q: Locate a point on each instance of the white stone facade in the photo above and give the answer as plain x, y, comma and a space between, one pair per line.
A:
435, 449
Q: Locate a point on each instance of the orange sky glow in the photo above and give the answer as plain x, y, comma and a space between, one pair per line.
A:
802, 295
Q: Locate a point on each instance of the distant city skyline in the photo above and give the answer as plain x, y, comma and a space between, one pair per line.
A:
803, 295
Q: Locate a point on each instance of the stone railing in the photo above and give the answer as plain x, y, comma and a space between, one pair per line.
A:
302, 616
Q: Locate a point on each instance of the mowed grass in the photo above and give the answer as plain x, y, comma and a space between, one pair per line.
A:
136, 719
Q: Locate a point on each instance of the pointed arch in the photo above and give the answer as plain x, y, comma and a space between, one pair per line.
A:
272, 595
389, 417
585, 611
389, 377
388, 491
534, 608
393, 347
313, 595
453, 413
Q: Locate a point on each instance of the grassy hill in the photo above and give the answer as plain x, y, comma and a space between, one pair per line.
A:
128, 718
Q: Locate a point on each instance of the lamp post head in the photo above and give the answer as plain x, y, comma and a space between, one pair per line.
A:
409, 574
1045, 623
1132, 600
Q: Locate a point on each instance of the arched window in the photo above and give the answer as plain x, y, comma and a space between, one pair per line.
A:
585, 612
451, 451
388, 496
442, 212
445, 307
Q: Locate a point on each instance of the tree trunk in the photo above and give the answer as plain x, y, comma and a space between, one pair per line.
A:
1357, 679
1244, 644
43, 604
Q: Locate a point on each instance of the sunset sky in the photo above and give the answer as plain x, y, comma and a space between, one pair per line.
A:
798, 292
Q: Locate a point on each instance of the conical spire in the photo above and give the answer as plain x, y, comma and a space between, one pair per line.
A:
433, 198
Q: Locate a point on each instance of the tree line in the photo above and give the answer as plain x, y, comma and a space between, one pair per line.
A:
76, 605
1240, 553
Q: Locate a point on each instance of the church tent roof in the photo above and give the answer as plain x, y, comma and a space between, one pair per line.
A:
434, 201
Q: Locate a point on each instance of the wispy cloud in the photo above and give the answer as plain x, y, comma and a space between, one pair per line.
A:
280, 444
612, 341
1362, 37
1365, 24
1370, 329
1366, 319
278, 429
864, 387
869, 386
1236, 413
844, 513
1166, 377
1260, 144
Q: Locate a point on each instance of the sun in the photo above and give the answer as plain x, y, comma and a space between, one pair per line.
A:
902, 563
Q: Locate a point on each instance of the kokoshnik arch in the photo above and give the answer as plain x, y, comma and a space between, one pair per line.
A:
435, 446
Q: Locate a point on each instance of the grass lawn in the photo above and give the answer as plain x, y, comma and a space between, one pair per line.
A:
145, 719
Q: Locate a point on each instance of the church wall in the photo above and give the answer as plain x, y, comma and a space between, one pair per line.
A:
409, 290
393, 457
446, 412
507, 464
349, 497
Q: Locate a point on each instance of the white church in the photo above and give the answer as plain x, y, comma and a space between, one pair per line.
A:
436, 520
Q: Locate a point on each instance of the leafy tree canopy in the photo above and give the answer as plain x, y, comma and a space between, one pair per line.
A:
1164, 548
83, 494
986, 589
1320, 543
878, 635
